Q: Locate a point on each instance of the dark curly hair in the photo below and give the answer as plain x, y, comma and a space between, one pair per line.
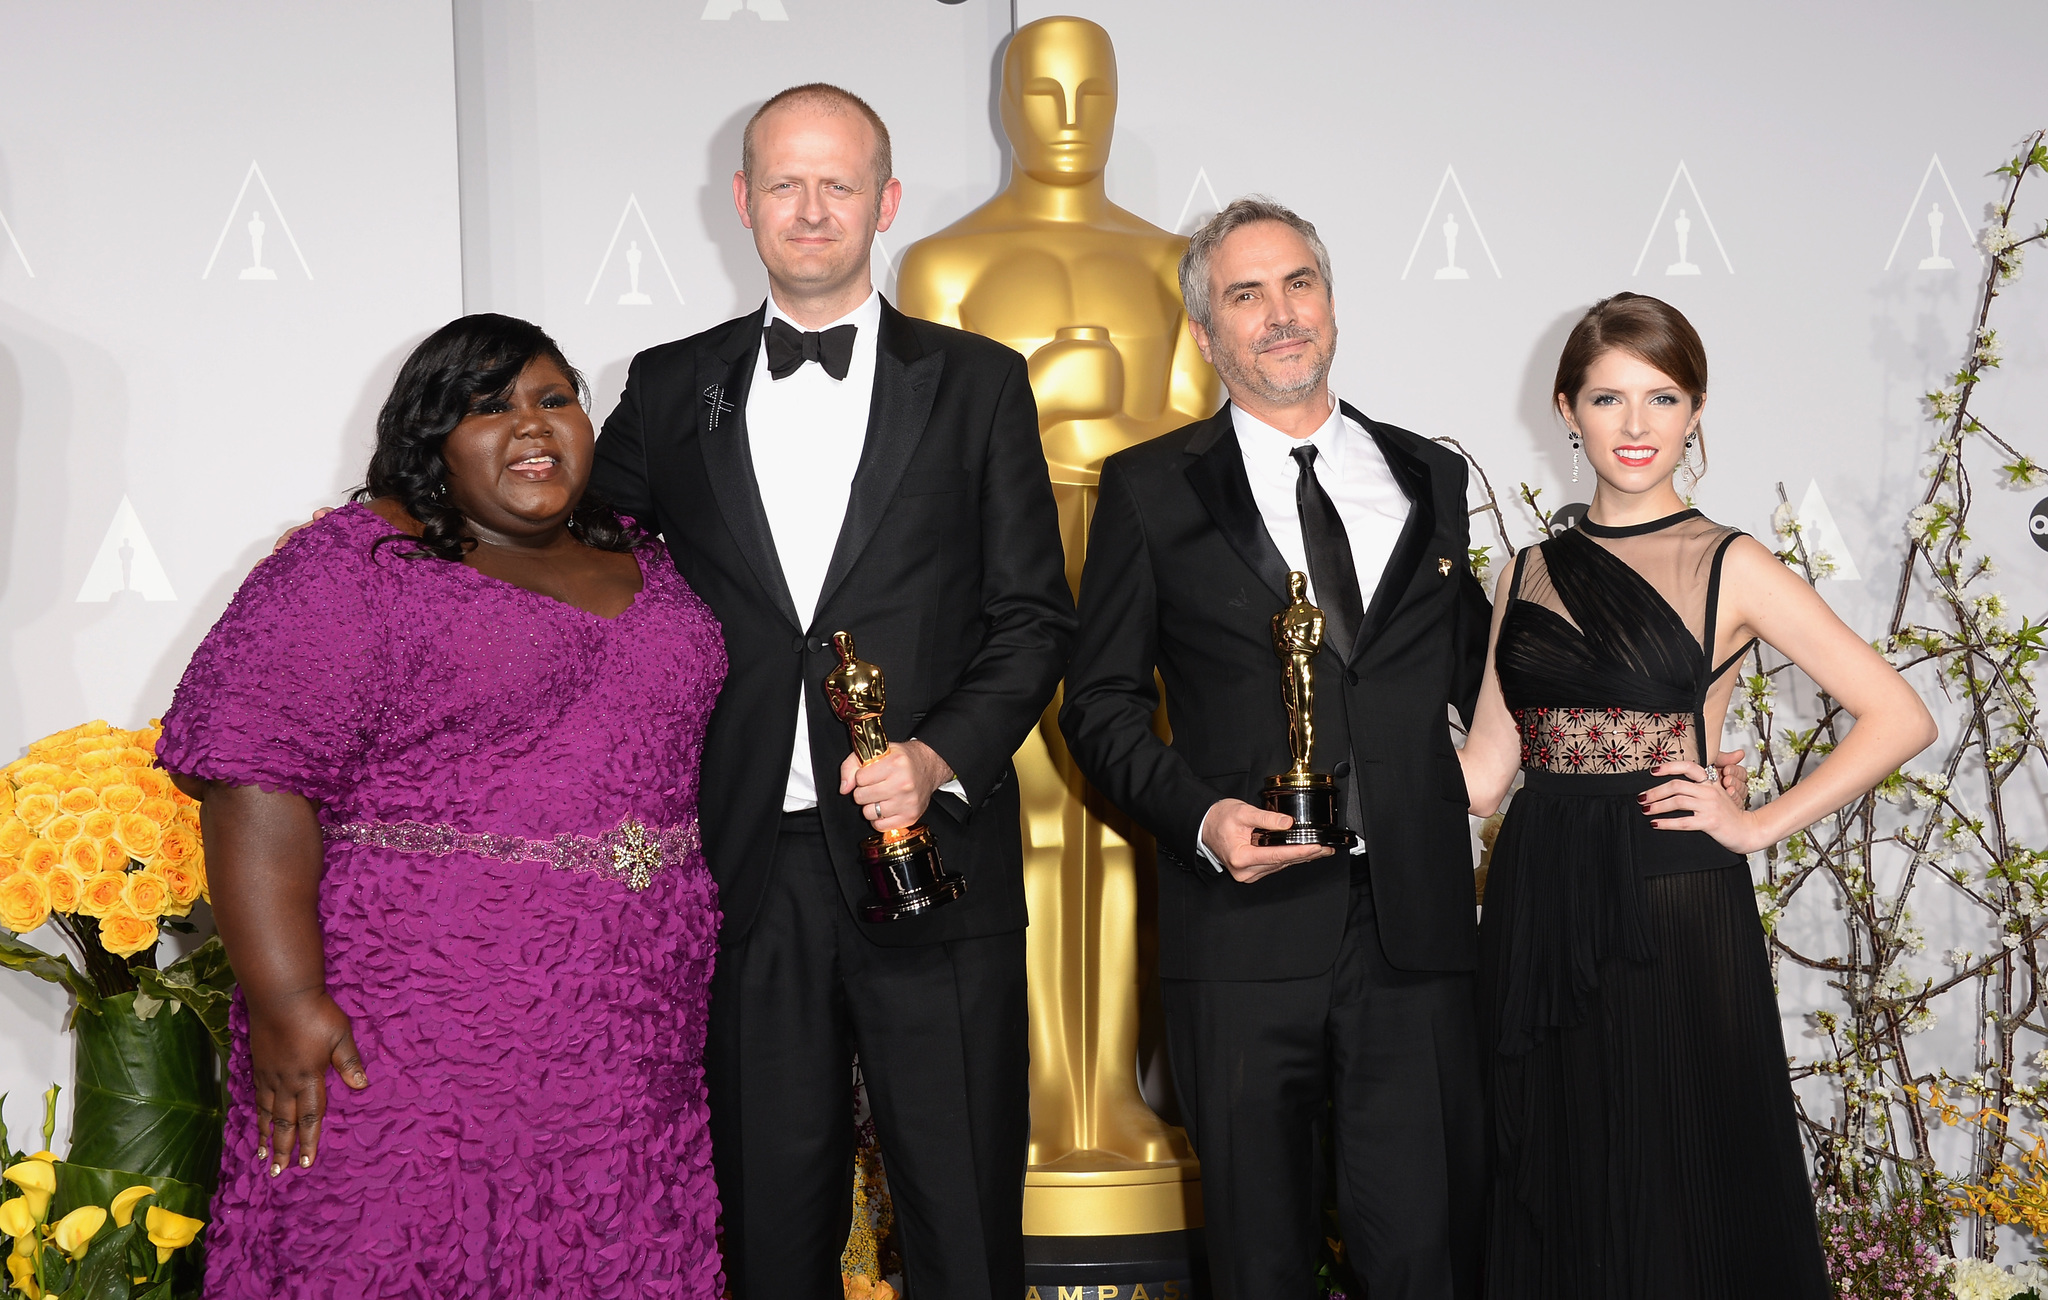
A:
467, 361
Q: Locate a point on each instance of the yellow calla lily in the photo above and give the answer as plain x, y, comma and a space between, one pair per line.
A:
124, 1203
23, 1271
37, 1180
47, 1157
74, 1232
168, 1231
15, 1219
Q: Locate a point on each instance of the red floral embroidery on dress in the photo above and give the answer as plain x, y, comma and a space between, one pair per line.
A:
1600, 740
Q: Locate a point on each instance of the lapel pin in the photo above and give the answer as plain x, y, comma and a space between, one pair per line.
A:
714, 397
1443, 567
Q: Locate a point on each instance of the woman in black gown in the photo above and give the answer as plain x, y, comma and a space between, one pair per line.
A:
1645, 1137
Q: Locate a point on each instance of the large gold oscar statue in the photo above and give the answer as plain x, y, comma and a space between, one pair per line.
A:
1090, 294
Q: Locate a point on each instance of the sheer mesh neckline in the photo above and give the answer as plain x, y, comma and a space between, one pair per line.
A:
1637, 530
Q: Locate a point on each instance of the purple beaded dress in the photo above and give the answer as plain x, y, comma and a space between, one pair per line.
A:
518, 922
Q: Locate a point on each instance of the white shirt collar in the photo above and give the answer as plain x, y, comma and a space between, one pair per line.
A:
1263, 443
868, 316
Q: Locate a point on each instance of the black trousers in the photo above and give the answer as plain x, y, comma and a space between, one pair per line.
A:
1393, 1055
942, 1040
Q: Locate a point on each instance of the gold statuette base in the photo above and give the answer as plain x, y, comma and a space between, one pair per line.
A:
1311, 800
905, 875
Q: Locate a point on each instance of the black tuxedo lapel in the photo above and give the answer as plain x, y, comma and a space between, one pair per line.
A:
906, 381
724, 375
1216, 472
1411, 472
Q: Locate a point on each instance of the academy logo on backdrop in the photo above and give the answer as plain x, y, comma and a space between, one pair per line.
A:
1683, 230
882, 266
1200, 205
634, 271
15, 244
249, 241
768, 11
1817, 528
1442, 233
1941, 234
126, 563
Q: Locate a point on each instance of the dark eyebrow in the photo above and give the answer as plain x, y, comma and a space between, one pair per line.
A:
1298, 273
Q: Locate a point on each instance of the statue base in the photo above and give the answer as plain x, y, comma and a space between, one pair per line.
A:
1163, 1265
1093, 1219
1311, 799
905, 876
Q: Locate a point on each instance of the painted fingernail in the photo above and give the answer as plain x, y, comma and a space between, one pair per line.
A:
305, 1162
262, 1154
276, 1168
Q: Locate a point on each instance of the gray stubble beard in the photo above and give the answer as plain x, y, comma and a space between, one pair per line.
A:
1237, 372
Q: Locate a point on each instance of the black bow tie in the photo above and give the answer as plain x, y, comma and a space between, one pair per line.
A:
789, 347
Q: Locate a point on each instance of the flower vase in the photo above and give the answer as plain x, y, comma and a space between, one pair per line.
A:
148, 1097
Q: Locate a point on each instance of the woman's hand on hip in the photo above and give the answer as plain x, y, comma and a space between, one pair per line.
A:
1714, 809
291, 1046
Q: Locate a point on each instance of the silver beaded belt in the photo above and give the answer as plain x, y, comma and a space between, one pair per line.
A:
631, 853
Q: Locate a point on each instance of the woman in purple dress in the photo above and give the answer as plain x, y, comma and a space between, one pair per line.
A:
448, 741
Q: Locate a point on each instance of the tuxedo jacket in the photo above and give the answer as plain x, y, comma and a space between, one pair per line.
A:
948, 571
1182, 577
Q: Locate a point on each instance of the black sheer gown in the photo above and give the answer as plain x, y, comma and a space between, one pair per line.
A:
1646, 1140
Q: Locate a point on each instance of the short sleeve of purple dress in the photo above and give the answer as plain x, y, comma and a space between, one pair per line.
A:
518, 922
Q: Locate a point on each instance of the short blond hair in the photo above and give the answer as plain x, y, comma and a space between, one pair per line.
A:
824, 97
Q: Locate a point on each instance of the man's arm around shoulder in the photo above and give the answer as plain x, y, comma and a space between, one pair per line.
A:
618, 473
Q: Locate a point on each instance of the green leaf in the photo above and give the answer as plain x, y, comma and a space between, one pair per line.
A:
148, 1095
205, 966
58, 1271
103, 1273
203, 982
54, 967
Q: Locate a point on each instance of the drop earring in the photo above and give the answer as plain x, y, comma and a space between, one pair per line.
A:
1575, 457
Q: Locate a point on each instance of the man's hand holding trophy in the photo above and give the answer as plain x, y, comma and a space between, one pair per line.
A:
903, 868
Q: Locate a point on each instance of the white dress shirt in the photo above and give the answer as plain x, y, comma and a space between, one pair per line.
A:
806, 431
1353, 470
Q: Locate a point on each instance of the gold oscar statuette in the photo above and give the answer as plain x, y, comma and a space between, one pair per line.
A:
1090, 293
1308, 796
903, 868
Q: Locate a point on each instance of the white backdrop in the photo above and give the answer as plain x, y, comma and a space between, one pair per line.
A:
136, 363
155, 401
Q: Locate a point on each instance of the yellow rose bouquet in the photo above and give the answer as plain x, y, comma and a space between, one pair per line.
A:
95, 839
100, 851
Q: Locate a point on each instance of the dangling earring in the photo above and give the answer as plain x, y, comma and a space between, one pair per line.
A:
1575, 457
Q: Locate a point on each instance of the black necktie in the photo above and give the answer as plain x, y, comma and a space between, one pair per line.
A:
789, 347
1329, 556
